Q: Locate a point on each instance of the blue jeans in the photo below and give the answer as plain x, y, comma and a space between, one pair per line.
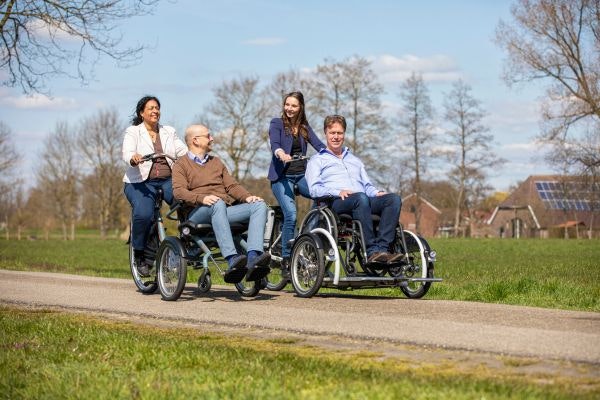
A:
142, 197
283, 189
360, 206
219, 215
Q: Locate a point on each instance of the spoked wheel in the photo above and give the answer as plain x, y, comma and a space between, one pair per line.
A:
417, 265
275, 281
172, 269
250, 289
307, 266
146, 285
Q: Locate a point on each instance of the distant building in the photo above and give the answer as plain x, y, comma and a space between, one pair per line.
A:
430, 216
549, 206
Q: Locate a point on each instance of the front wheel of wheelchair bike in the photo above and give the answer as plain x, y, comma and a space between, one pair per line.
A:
275, 281
307, 266
172, 269
146, 285
204, 283
417, 265
250, 288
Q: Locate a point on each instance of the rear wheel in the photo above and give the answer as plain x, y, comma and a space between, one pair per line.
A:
416, 266
146, 285
307, 266
172, 269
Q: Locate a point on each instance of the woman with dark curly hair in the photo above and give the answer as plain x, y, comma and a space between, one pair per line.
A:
142, 179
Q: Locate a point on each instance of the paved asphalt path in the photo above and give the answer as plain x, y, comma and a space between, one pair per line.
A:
479, 327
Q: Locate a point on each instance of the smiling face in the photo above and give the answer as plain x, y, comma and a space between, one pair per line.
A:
335, 137
151, 112
291, 107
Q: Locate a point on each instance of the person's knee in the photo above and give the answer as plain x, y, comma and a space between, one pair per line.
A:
395, 201
143, 212
259, 208
362, 201
219, 206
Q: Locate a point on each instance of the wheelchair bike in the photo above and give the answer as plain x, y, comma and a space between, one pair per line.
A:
148, 284
330, 252
196, 246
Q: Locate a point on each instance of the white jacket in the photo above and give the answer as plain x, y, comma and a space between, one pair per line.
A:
137, 140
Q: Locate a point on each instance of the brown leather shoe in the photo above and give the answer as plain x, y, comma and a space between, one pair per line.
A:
394, 258
379, 257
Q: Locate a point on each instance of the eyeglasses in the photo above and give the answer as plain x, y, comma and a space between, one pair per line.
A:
208, 136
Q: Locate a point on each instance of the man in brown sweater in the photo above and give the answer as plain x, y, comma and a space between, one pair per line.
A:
202, 180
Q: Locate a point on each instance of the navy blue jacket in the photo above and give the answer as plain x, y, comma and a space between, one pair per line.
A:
280, 140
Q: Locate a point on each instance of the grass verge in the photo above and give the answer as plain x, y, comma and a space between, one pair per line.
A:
47, 354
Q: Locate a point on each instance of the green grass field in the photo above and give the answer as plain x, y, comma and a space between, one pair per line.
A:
47, 354
551, 273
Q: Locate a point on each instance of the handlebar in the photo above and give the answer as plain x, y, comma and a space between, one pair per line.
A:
154, 156
296, 158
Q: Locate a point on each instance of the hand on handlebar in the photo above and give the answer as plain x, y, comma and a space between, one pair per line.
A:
290, 159
138, 158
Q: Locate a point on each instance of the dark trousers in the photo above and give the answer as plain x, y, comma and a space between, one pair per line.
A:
142, 197
360, 206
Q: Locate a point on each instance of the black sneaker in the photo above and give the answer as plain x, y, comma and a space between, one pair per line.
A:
258, 267
140, 263
237, 270
285, 268
143, 269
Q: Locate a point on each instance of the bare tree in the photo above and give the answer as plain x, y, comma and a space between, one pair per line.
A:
557, 41
416, 134
8, 163
294, 80
42, 39
573, 157
351, 88
58, 177
239, 116
99, 141
471, 151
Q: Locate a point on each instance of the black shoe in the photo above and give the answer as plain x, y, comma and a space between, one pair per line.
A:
237, 270
285, 268
258, 267
142, 269
140, 263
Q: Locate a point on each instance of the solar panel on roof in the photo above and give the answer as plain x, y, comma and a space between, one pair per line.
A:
567, 195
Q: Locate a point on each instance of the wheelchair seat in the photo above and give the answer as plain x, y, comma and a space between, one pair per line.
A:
206, 229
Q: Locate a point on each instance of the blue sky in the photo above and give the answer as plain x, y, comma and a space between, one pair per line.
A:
196, 45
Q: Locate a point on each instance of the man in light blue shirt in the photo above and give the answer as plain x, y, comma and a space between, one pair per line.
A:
335, 172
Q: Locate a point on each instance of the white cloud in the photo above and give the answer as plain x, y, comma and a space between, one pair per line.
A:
436, 68
38, 101
267, 41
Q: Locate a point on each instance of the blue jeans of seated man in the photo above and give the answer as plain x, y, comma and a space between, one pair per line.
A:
283, 189
220, 216
142, 197
360, 206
